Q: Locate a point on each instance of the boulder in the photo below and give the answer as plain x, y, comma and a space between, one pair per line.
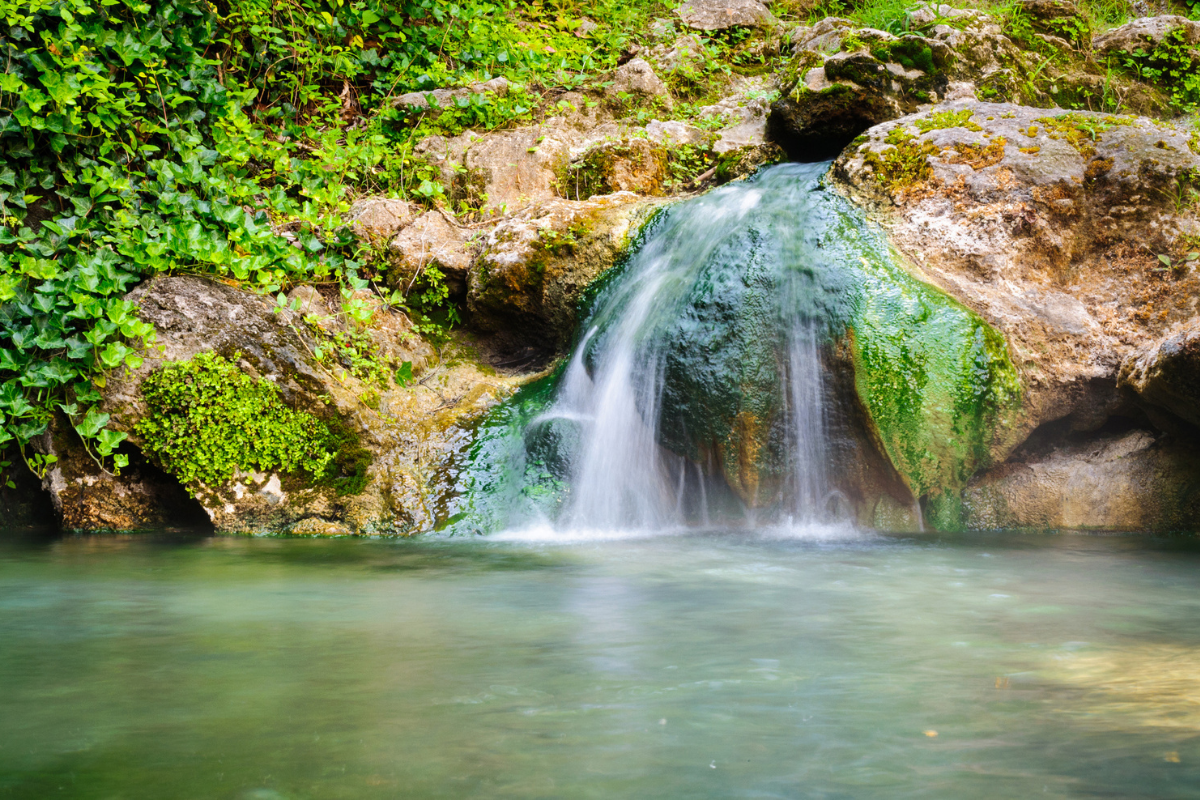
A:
636, 77
535, 266
396, 440
1146, 33
719, 15
1137, 481
842, 80
431, 240
1166, 373
674, 132
744, 114
380, 217
446, 98
632, 165
508, 170
1047, 224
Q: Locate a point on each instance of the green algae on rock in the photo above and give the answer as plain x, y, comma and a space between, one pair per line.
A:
935, 378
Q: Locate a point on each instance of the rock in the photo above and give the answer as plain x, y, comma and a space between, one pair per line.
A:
1145, 33
380, 217
674, 132
536, 265
1045, 223
745, 116
86, 498
398, 438
446, 98
632, 165
1167, 372
25, 504
1130, 482
719, 15
661, 29
315, 526
508, 170
431, 241
1045, 10
637, 78
842, 80
681, 54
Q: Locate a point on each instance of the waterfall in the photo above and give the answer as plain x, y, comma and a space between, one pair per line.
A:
645, 451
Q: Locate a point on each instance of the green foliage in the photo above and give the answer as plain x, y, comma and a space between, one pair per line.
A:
207, 420
1172, 66
184, 136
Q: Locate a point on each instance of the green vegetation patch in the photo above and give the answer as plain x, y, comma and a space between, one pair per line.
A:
207, 420
935, 378
942, 120
905, 164
1173, 65
1080, 130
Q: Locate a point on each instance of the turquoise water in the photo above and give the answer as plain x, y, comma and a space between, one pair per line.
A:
722, 664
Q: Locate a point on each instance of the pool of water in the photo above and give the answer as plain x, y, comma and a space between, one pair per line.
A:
723, 664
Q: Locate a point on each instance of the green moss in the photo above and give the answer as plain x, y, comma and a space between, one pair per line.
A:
935, 378
904, 165
909, 52
942, 120
207, 420
1081, 131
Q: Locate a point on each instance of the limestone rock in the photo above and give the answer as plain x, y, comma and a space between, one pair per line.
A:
842, 80
380, 217
637, 77
431, 241
674, 132
446, 98
508, 170
745, 115
536, 265
86, 498
1046, 224
719, 15
1130, 482
1146, 33
1167, 372
632, 165
406, 433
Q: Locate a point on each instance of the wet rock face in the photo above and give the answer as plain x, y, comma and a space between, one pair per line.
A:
1166, 374
1046, 224
1137, 481
719, 15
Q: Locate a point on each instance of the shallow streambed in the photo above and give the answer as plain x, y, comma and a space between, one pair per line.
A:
724, 664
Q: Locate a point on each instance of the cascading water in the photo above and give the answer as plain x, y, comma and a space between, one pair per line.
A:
705, 349
709, 384
621, 473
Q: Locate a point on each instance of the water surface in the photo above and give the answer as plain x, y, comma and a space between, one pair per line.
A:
719, 664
